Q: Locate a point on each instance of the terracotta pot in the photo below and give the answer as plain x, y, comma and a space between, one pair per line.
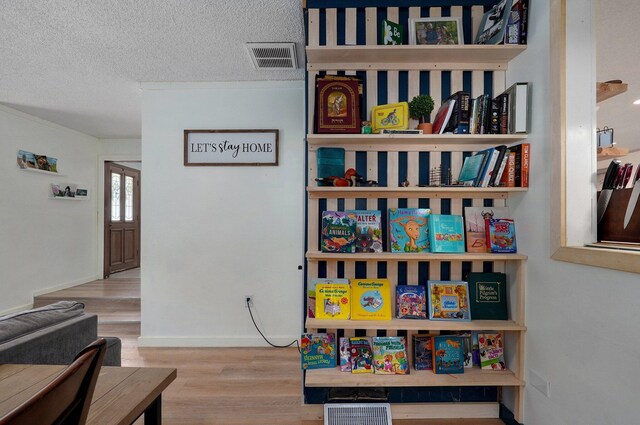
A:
426, 127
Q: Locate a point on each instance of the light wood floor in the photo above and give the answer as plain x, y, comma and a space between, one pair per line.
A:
230, 386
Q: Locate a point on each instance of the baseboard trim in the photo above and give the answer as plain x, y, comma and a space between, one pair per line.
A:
65, 285
194, 341
410, 411
16, 309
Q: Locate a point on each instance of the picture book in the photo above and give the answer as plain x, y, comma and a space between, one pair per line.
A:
392, 33
501, 235
488, 296
491, 351
345, 355
448, 300
448, 355
361, 355
422, 352
390, 355
333, 301
446, 233
408, 229
318, 351
370, 299
368, 230
338, 232
474, 222
311, 293
411, 302
467, 347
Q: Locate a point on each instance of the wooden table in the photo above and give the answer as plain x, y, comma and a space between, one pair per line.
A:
121, 395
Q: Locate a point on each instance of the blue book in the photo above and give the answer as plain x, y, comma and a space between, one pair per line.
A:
471, 169
446, 233
448, 354
448, 300
487, 155
318, 351
408, 229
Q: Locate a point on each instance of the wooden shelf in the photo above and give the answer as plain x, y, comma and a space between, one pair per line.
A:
606, 91
413, 192
412, 256
409, 57
413, 142
608, 153
417, 378
35, 170
416, 325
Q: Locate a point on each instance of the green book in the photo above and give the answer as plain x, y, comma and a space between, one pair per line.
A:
392, 33
488, 296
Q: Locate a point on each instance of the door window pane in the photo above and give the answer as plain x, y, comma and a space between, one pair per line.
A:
115, 197
128, 198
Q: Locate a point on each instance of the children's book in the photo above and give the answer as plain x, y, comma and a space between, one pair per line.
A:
488, 296
448, 300
338, 232
368, 230
409, 231
411, 302
318, 351
361, 355
422, 352
345, 355
474, 222
467, 347
446, 233
501, 235
370, 299
311, 293
333, 301
491, 351
448, 355
390, 355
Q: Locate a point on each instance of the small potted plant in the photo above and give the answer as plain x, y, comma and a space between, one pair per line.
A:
420, 109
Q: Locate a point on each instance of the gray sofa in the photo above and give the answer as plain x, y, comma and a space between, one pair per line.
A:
52, 334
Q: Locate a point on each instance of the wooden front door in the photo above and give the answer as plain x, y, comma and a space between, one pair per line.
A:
122, 218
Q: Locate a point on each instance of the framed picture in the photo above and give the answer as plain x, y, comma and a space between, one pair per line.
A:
494, 23
435, 31
230, 147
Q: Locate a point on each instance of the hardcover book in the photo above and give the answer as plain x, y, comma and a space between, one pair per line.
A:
446, 233
411, 302
448, 300
422, 352
408, 229
494, 24
338, 108
361, 355
338, 232
448, 354
311, 293
501, 235
508, 178
521, 171
459, 121
443, 116
392, 33
471, 168
488, 296
474, 221
370, 299
345, 355
333, 301
318, 351
368, 230
390, 355
491, 351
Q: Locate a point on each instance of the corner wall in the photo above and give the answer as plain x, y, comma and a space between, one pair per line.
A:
211, 235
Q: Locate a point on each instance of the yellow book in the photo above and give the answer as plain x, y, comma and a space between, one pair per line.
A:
333, 301
371, 299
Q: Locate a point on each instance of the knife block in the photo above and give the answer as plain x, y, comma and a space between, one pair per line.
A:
611, 227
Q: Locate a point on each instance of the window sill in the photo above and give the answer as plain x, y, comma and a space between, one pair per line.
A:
628, 261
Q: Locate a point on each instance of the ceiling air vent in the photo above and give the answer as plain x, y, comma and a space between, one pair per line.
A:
357, 414
273, 55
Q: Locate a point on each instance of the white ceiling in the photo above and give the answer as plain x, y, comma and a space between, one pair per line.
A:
79, 63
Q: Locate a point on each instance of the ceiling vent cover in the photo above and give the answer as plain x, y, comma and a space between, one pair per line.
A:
273, 55
357, 414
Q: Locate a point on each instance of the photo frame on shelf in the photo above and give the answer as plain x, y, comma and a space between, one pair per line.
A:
435, 31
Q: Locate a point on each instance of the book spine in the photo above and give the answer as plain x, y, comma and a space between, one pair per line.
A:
482, 122
508, 178
494, 172
472, 118
503, 164
486, 178
504, 114
483, 168
524, 20
494, 123
524, 178
463, 114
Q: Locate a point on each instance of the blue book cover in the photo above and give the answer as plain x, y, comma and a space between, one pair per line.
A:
411, 302
501, 235
448, 354
448, 300
487, 154
368, 230
318, 351
408, 229
446, 233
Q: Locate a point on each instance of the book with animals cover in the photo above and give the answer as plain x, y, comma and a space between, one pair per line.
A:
422, 352
338, 232
446, 233
361, 355
448, 354
345, 355
488, 295
411, 302
491, 351
390, 355
311, 293
333, 301
370, 299
408, 229
318, 351
448, 300
501, 235
368, 230
474, 222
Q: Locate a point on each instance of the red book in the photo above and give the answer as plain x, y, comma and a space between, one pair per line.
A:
508, 178
443, 116
338, 108
522, 152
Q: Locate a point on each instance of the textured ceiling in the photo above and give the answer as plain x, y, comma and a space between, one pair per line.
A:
79, 63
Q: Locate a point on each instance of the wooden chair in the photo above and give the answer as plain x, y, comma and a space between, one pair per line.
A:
66, 399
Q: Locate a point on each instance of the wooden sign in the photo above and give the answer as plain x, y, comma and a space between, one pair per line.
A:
230, 147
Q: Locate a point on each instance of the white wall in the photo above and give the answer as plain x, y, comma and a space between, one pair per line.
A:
582, 328
44, 243
211, 235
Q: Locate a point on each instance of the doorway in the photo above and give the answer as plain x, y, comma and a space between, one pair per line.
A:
122, 217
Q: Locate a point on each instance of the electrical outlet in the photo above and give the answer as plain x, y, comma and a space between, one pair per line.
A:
250, 298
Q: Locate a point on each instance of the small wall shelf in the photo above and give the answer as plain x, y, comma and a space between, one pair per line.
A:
413, 192
606, 91
35, 170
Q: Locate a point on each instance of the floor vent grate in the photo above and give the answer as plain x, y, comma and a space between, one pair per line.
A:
357, 414
273, 55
